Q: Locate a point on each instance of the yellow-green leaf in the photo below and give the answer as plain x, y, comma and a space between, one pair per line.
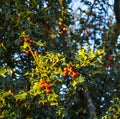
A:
25, 45
3, 71
21, 96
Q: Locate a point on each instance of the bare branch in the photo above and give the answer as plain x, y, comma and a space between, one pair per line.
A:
117, 10
89, 104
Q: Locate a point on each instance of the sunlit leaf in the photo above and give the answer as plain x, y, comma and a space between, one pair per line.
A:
3, 71
21, 96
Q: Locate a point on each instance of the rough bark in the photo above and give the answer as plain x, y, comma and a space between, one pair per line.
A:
117, 10
89, 104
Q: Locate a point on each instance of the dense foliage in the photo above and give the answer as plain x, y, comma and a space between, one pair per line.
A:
59, 63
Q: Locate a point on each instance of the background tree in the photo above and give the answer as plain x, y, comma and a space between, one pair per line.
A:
55, 60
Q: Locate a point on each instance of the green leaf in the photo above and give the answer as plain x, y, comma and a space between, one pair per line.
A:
25, 45
21, 96
77, 81
82, 53
36, 85
3, 71
39, 43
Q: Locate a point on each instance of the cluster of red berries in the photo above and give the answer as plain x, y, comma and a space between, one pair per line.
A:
27, 52
45, 85
31, 41
70, 71
110, 61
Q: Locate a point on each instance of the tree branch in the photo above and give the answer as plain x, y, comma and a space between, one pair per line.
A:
117, 10
89, 104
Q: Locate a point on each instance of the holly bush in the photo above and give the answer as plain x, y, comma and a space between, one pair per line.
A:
49, 87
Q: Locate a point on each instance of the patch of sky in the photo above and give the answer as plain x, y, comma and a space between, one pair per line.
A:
0, 9
79, 10
102, 99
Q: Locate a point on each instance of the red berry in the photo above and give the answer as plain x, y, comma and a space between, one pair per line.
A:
74, 75
46, 84
41, 86
21, 41
20, 102
35, 52
27, 52
77, 73
30, 41
107, 65
65, 69
42, 82
110, 58
48, 90
70, 73
71, 68
64, 74
46, 104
